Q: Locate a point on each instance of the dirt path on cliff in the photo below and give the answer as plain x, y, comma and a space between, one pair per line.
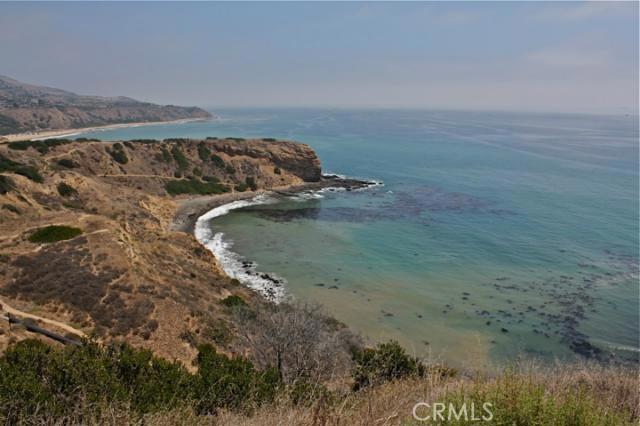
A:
4, 307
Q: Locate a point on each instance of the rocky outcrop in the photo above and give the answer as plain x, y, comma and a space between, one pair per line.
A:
29, 108
297, 158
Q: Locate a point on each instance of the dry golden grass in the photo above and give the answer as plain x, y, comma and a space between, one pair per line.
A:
525, 394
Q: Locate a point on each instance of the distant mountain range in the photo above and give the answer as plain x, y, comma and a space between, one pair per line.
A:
29, 108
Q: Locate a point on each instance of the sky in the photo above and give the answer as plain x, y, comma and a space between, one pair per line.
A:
543, 56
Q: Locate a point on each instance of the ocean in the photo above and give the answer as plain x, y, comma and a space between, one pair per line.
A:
492, 236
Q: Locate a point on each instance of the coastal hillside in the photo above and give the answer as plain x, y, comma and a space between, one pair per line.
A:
29, 108
86, 245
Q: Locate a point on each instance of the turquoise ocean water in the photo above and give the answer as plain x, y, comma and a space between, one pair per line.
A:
494, 235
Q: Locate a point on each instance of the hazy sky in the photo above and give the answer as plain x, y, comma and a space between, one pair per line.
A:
525, 56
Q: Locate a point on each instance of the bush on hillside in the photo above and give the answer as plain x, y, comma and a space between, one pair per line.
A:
53, 233
388, 361
203, 152
11, 208
251, 183
233, 300
217, 161
41, 146
30, 172
66, 190
231, 383
165, 155
67, 163
194, 186
118, 153
179, 157
54, 382
6, 184
298, 339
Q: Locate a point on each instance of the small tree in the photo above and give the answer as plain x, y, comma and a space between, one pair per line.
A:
299, 340
388, 361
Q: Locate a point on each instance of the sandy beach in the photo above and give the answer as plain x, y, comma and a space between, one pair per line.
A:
46, 134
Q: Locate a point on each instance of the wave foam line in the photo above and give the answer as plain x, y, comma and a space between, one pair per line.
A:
234, 265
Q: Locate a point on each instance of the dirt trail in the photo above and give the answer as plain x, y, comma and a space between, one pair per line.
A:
4, 307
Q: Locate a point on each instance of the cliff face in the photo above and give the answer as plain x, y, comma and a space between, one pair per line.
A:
127, 275
28, 108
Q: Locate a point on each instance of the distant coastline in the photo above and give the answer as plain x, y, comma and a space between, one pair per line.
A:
48, 134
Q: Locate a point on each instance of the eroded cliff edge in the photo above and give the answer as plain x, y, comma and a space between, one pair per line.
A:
129, 274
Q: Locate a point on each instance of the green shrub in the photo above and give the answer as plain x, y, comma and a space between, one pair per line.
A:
241, 187
197, 171
236, 139
118, 153
203, 152
6, 184
210, 179
194, 186
67, 163
11, 208
233, 300
53, 233
41, 146
166, 155
66, 190
269, 139
217, 161
388, 361
87, 140
229, 169
129, 144
231, 383
38, 378
179, 157
277, 170
251, 183
30, 172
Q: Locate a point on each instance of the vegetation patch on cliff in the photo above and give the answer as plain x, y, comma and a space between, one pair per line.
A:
30, 172
53, 233
118, 153
194, 186
41, 146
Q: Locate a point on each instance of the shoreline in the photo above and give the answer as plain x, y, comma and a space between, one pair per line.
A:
190, 209
193, 214
48, 134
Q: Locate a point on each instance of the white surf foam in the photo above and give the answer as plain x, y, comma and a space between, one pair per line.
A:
268, 285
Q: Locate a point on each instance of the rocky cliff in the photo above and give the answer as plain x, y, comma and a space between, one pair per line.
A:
127, 275
30, 108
